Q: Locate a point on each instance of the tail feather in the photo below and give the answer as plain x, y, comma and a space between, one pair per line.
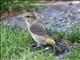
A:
49, 40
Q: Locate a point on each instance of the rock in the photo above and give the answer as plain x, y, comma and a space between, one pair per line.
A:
59, 16
16, 21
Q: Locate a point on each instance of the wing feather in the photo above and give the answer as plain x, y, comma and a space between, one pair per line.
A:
39, 29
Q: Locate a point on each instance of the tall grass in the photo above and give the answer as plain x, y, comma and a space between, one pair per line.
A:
18, 5
73, 34
15, 45
13, 42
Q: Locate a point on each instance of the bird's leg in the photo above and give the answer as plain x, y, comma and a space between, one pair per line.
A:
34, 45
38, 44
54, 48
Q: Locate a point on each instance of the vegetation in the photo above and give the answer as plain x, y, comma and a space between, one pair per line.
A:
16, 42
73, 34
15, 45
18, 5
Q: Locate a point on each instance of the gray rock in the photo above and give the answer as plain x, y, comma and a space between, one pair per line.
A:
66, 14
59, 16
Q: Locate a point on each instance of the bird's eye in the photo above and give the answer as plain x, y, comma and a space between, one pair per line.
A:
27, 16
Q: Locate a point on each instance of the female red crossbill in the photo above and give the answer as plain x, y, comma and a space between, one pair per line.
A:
40, 34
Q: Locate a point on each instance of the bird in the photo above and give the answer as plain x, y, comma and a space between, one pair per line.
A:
37, 30
40, 34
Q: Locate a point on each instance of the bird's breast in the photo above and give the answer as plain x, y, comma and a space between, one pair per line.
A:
36, 37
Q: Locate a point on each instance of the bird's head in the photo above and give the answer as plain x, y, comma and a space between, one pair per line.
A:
29, 17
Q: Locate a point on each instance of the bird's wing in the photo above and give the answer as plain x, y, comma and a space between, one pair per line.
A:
38, 29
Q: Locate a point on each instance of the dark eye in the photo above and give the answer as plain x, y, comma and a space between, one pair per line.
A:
27, 16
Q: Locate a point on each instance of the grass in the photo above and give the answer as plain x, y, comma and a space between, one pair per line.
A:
15, 45
73, 34
18, 5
